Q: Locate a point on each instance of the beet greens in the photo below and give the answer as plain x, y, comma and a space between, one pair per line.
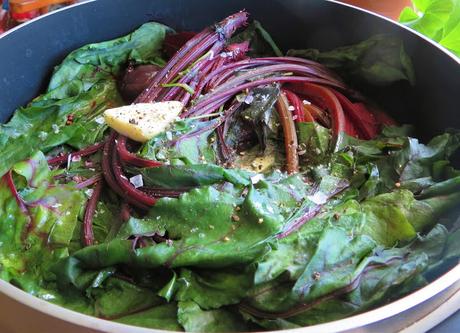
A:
281, 198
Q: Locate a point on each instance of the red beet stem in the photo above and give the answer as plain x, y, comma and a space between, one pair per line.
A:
58, 160
319, 115
89, 181
125, 212
310, 213
290, 135
134, 196
217, 100
296, 103
88, 234
192, 51
129, 158
8, 178
365, 131
107, 165
276, 69
333, 105
149, 93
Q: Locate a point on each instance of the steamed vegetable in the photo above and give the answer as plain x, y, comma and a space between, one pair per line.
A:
280, 197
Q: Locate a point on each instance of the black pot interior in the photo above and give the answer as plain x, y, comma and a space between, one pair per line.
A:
28, 54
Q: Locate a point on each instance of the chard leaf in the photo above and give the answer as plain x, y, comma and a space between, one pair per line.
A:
213, 289
346, 274
83, 86
194, 319
117, 298
162, 317
35, 235
205, 227
385, 218
97, 61
185, 142
314, 141
188, 176
380, 60
260, 114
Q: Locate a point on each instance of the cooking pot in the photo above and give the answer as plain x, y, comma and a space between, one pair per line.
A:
29, 52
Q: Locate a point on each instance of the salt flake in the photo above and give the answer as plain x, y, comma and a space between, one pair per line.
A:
318, 198
100, 120
137, 181
255, 179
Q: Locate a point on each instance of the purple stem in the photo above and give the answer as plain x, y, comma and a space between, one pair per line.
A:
216, 100
162, 75
310, 213
89, 181
88, 234
262, 71
191, 51
58, 160
307, 306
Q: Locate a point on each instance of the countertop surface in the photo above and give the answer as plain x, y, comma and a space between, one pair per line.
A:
450, 325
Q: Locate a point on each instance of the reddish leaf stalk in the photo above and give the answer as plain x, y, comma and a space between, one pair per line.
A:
303, 307
125, 212
132, 195
365, 131
129, 158
333, 105
58, 160
277, 69
317, 114
290, 135
149, 93
215, 101
192, 51
310, 213
90, 181
88, 234
8, 178
296, 103
106, 164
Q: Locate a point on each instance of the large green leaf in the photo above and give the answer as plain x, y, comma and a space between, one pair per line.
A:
162, 317
347, 273
212, 289
35, 234
380, 60
184, 142
194, 319
188, 176
82, 86
97, 61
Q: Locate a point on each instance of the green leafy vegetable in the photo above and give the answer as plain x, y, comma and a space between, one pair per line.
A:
380, 60
83, 86
225, 241
194, 319
35, 232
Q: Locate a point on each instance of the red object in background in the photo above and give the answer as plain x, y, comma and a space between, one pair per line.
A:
388, 8
23, 17
3, 18
24, 10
